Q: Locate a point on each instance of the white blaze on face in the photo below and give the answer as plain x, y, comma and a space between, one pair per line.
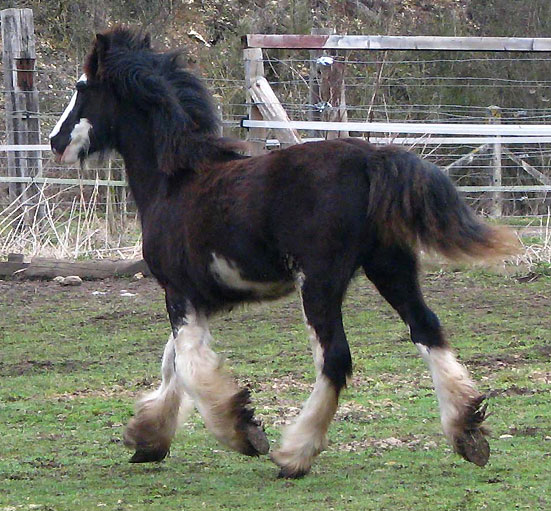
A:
68, 109
80, 137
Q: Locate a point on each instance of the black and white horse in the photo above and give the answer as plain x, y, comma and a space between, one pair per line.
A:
221, 229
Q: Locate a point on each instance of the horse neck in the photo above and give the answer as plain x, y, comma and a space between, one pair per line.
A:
135, 146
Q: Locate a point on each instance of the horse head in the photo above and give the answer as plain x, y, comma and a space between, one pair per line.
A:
126, 85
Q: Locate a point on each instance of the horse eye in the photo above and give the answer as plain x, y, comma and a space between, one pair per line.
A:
81, 86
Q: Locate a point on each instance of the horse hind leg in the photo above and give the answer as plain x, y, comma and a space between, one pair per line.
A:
223, 406
158, 413
394, 273
303, 440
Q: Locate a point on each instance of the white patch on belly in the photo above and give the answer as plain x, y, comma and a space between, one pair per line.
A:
80, 140
227, 273
67, 110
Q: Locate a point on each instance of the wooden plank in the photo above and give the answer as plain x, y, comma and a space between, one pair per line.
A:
47, 268
272, 110
406, 127
377, 42
8, 268
535, 173
468, 158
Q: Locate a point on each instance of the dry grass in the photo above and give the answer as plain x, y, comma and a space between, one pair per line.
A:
537, 246
78, 228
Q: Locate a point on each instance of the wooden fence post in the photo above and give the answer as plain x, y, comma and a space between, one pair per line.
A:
332, 91
22, 112
254, 68
326, 87
497, 196
314, 79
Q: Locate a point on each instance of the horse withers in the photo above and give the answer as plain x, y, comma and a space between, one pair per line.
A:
220, 229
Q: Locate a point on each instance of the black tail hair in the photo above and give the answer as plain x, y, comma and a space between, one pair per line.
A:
413, 202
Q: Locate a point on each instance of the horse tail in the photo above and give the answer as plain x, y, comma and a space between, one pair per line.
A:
412, 201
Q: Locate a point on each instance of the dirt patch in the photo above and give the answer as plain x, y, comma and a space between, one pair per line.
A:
32, 366
545, 350
515, 391
412, 442
528, 431
495, 361
25, 293
117, 315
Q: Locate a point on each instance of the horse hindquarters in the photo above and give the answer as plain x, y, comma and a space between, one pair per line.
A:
393, 270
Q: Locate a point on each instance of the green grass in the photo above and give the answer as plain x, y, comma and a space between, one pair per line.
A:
71, 364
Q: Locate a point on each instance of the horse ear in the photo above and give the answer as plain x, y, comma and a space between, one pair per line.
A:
102, 45
146, 43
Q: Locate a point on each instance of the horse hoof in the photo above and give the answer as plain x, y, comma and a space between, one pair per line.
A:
471, 442
286, 473
258, 439
474, 447
148, 455
289, 468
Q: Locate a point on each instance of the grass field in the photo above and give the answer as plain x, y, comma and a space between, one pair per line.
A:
72, 362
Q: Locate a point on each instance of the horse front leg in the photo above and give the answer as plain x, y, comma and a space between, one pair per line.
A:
223, 406
303, 440
158, 413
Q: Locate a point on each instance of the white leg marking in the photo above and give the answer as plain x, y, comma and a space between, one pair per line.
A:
304, 439
67, 110
199, 370
164, 402
315, 345
159, 412
454, 387
80, 140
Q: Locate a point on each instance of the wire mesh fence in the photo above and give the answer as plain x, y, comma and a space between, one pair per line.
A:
96, 216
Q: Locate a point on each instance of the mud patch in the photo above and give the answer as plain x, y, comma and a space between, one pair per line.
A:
500, 360
36, 366
380, 445
528, 431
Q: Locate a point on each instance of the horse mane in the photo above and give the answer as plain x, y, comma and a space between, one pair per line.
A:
180, 109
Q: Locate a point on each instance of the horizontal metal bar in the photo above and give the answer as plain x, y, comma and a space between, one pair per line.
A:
62, 181
405, 127
439, 140
28, 147
535, 188
104, 182
378, 42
